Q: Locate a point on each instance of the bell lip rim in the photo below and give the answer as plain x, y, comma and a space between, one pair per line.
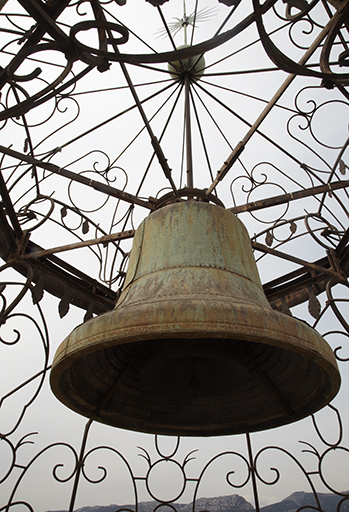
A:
325, 359
330, 390
192, 330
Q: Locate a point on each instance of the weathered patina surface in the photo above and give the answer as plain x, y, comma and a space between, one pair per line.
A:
193, 346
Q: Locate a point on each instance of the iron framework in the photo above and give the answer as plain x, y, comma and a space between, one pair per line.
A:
96, 134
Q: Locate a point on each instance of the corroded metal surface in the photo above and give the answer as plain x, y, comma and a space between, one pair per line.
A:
193, 347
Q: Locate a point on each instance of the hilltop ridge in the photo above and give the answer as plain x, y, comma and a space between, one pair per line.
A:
231, 503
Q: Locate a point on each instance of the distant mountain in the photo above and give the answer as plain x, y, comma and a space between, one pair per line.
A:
233, 503
296, 500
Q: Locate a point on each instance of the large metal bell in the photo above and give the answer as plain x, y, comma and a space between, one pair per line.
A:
192, 347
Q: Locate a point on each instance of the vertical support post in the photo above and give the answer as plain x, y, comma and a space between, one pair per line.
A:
253, 472
79, 465
185, 23
189, 155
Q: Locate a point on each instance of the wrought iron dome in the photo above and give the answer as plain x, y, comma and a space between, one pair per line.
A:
104, 125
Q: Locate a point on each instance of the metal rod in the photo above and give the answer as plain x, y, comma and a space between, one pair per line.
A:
102, 404
155, 143
20, 386
270, 285
116, 116
189, 154
294, 259
79, 465
85, 278
123, 235
9, 208
285, 198
166, 27
194, 23
243, 120
197, 118
342, 244
55, 9
46, 22
253, 472
101, 187
185, 24
345, 145
241, 145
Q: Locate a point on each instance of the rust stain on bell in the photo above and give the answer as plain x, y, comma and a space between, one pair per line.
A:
192, 346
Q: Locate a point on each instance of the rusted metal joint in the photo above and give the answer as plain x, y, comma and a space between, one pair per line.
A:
336, 264
21, 243
192, 194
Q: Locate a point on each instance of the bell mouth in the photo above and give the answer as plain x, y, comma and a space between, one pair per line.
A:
193, 387
195, 368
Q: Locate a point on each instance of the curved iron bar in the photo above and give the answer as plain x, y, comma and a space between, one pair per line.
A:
41, 374
310, 30
278, 474
340, 347
16, 503
99, 57
284, 62
228, 475
28, 141
172, 454
180, 492
321, 462
303, 8
340, 429
5, 311
333, 303
26, 468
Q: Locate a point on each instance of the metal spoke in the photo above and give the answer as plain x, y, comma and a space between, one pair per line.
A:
100, 187
188, 143
292, 196
240, 146
166, 27
123, 235
202, 136
114, 117
195, 14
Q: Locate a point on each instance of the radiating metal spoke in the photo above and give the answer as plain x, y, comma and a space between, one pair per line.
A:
188, 142
168, 32
202, 137
101, 187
